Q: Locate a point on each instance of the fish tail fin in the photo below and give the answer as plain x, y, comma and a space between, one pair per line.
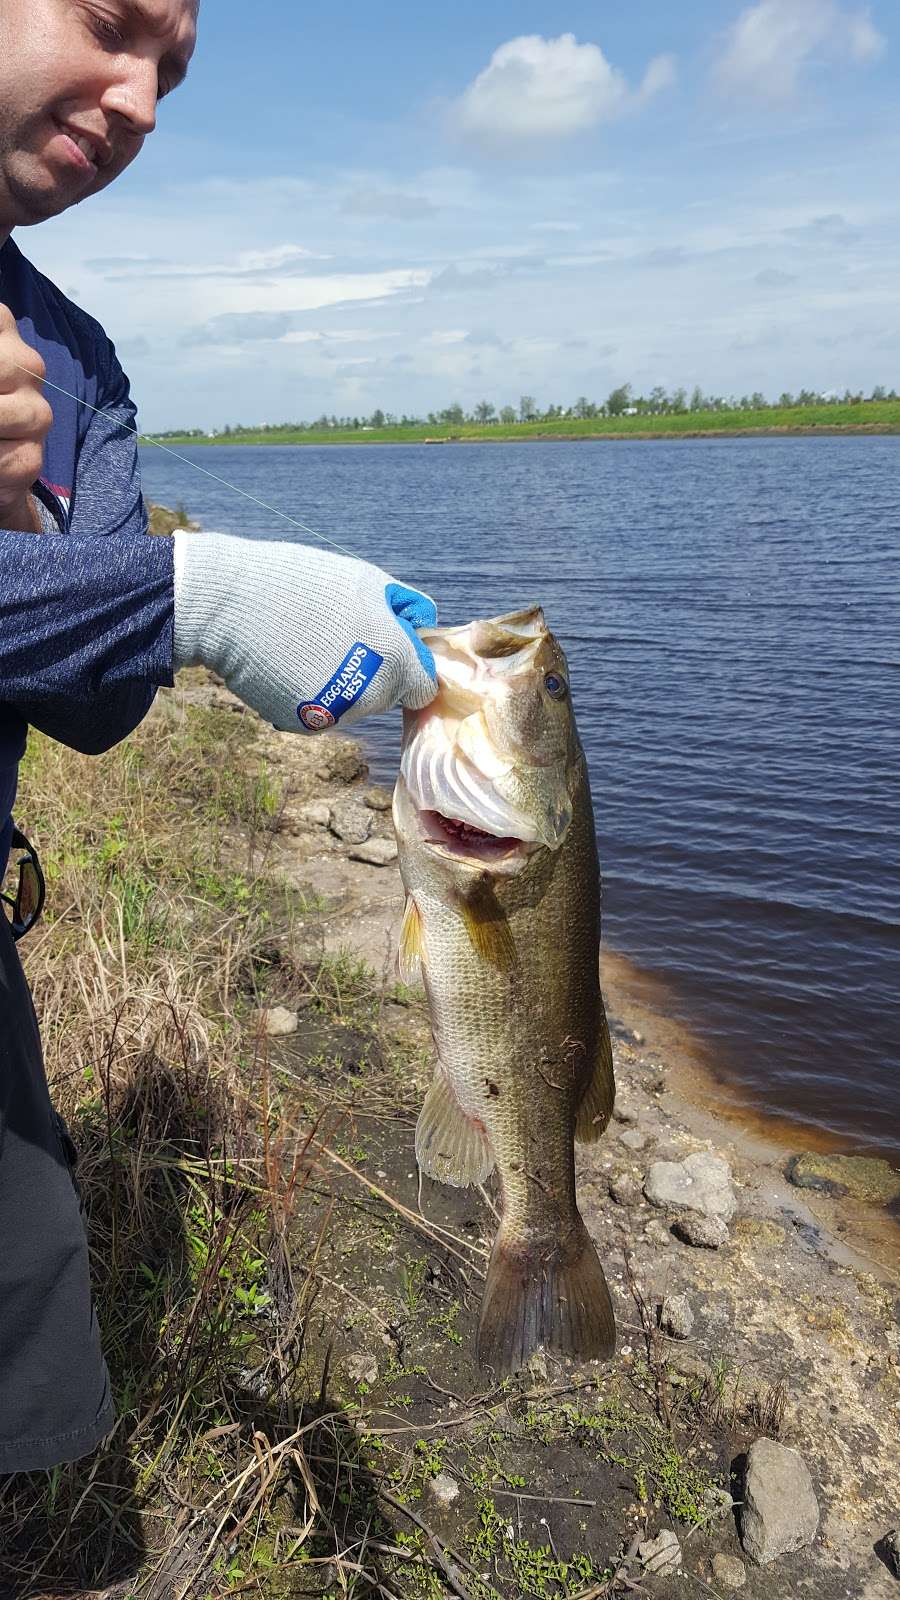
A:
554, 1294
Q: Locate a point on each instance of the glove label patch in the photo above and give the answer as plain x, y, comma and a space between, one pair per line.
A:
350, 681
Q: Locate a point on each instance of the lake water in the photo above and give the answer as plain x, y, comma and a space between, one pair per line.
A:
731, 612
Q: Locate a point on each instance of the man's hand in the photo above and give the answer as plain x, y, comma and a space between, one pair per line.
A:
307, 638
25, 421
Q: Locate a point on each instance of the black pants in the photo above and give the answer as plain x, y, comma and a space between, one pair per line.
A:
55, 1402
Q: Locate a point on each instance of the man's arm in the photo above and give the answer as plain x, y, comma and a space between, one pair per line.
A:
85, 616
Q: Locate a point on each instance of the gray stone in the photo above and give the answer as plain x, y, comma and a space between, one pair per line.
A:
278, 1023
377, 799
377, 852
704, 1233
633, 1139
662, 1554
676, 1317
657, 1233
729, 1570
623, 1112
701, 1183
340, 760
780, 1512
625, 1190
442, 1490
351, 822
315, 814
362, 1369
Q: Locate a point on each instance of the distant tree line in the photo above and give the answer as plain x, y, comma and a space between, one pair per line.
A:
621, 402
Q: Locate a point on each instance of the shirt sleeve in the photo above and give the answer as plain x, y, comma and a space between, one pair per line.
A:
86, 616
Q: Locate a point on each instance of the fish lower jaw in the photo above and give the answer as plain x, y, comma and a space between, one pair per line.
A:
460, 842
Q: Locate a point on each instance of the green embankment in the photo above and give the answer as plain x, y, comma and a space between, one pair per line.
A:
867, 416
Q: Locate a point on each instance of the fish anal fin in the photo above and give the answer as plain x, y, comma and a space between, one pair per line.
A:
487, 926
599, 1095
412, 944
450, 1146
553, 1295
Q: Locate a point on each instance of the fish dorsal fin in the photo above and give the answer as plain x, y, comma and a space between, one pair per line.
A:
450, 1146
599, 1095
412, 944
488, 927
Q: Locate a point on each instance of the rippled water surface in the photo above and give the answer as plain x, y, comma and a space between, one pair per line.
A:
731, 611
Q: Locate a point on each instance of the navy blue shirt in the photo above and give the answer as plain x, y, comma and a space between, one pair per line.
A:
86, 607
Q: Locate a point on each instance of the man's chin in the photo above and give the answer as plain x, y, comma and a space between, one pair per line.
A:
32, 199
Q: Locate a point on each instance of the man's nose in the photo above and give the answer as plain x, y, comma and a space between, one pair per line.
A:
134, 95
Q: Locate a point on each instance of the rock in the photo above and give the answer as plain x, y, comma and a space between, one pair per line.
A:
442, 1490
340, 761
700, 1183
315, 814
676, 1317
625, 1190
729, 1571
705, 1233
780, 1512
863, 1177
657, 1233
637, 1037
623, 1112
633, 1139
278, 1023
362, 1369
889, 1549
377, 852
377, 799
351, 822
662, 1554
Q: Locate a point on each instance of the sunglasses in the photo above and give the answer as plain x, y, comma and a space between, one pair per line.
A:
27, 903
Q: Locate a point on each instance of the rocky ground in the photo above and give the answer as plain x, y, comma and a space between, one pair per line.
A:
745, 1436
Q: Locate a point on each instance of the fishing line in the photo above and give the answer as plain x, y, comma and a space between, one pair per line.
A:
144, 438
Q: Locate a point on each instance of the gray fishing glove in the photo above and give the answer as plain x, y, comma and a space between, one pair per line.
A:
306, 638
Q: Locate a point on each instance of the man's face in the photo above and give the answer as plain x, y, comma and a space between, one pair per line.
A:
79, 85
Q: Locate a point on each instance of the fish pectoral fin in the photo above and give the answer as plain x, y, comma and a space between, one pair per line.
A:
412, 944
599, 1096
488, 928
551, 1293
451, 1146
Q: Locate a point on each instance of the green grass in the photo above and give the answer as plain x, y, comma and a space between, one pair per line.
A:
883, 415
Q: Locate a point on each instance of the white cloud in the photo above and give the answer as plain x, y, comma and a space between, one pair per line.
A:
772, 42
535, 89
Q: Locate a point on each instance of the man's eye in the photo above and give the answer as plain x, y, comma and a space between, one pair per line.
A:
106, 30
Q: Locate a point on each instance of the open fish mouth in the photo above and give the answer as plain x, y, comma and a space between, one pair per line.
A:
445, 783
467, 843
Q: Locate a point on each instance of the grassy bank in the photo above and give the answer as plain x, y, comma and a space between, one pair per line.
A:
290, 1339
880, 416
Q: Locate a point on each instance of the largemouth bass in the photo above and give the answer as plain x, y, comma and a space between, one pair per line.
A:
495, 829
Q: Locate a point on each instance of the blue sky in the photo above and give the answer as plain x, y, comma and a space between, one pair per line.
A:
339, 211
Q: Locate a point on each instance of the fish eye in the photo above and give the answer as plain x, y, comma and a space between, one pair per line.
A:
556, 686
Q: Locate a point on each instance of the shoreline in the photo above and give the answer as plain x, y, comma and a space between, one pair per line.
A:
605, 436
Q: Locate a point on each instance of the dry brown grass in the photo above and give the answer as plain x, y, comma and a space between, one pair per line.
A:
143, 976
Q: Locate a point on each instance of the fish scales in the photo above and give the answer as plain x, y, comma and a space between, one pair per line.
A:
505, 930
